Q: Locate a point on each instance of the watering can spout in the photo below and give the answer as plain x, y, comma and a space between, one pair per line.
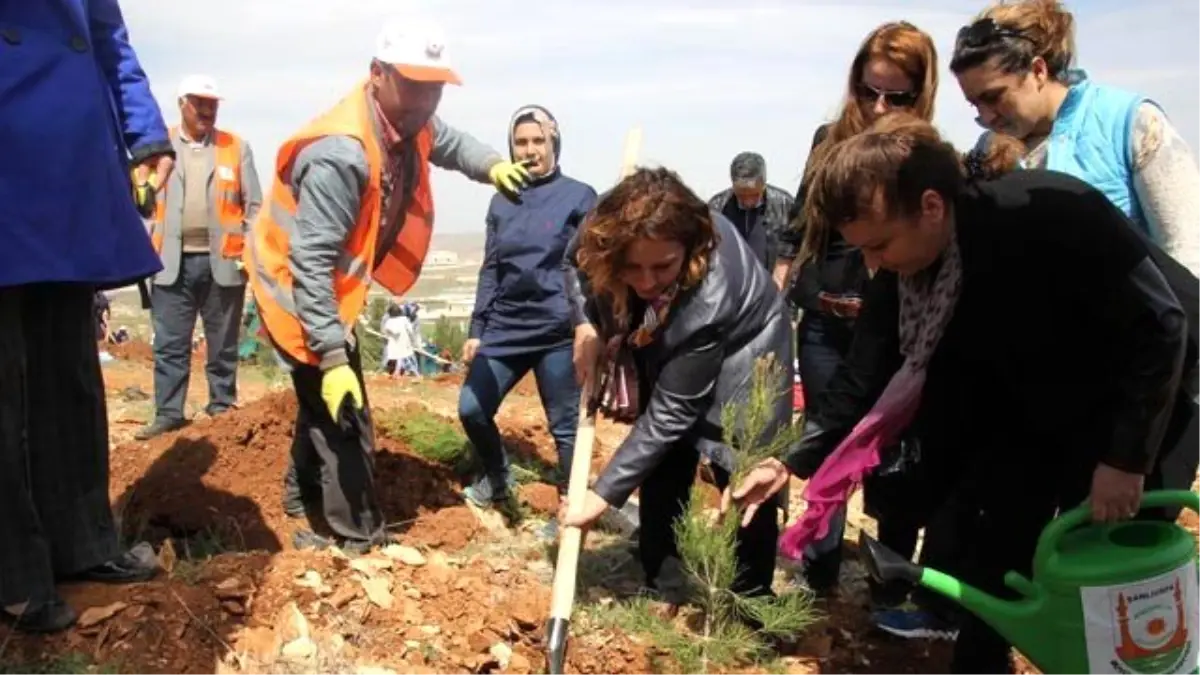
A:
1010, 618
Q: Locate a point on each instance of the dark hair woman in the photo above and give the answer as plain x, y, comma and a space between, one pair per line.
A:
1015, 423
697, 309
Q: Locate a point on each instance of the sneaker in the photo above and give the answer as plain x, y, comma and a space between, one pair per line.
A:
307, 539
549, 531
137, 564
487, 490
914, 624
217, 409
159, 427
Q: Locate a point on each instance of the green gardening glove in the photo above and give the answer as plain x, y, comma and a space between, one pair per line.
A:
509, 177
336, 384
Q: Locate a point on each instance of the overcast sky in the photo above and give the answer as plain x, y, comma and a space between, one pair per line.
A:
705, 79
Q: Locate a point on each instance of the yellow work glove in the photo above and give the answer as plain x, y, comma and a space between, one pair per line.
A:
336, 384
509, 177
144, 196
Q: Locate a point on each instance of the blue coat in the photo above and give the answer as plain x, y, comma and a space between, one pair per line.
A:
74, 107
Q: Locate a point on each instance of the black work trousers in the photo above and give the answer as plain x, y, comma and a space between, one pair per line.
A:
332, 469
663, 499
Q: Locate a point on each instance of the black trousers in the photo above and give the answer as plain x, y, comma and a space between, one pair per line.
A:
55, 518
663, 499
333, 461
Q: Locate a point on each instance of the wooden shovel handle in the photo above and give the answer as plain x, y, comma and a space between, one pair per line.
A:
571, 538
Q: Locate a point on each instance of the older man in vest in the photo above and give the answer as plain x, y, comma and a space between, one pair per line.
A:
351, 204
200, 220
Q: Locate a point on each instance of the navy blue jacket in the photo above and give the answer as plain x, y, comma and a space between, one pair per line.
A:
521, 303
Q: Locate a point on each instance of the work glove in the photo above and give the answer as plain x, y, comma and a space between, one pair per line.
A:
336, 384
144, 196
509, 177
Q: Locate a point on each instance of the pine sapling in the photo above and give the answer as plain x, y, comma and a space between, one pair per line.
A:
708, 544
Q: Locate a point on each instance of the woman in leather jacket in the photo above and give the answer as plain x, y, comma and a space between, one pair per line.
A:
695, 309
1032, 338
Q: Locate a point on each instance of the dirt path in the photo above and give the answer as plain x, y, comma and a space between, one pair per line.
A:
463, 592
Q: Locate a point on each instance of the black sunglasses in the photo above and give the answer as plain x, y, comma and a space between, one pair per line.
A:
894, 99
983, 33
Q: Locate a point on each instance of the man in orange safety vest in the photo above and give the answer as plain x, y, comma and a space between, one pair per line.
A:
199, 224
351, 204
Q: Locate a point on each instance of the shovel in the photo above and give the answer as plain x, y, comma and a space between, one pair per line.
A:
571, 541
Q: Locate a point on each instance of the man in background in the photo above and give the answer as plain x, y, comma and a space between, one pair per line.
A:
758, 210
77, 113
200, 221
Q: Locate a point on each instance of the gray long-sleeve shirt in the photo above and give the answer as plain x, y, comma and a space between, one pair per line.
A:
328, 179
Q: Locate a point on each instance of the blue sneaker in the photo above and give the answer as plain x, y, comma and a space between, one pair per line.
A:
488, 490
914, 624
549, 531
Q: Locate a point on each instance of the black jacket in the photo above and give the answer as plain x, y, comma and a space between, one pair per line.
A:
699, 360
761, 227
1066, 348
837, 269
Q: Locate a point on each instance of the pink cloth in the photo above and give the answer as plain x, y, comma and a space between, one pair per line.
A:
843, 471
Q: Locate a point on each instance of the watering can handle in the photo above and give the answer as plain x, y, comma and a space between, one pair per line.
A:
1082, 514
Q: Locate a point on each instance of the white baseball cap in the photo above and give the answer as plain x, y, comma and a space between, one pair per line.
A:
416, 46
199, 85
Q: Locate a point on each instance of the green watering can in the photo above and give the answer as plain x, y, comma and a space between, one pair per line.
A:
1105, 597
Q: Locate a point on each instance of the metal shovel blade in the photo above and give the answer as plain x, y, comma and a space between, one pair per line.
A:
556, 644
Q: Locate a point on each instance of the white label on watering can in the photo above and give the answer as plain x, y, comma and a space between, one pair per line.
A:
1144, 627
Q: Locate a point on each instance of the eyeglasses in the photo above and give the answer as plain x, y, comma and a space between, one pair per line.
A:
894, 99
985, 32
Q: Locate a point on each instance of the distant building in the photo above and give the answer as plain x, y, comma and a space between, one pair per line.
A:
441, 258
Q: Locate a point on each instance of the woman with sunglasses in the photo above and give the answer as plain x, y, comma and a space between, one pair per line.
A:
1014, 64
895, 69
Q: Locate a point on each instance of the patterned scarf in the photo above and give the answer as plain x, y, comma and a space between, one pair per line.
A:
620, 397
926, 308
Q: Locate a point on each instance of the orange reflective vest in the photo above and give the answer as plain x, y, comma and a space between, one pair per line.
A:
267, 255
227, 188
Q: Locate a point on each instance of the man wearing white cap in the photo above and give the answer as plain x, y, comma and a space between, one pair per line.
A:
201, 217
350, 205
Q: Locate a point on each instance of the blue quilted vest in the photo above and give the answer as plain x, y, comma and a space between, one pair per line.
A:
1092, 139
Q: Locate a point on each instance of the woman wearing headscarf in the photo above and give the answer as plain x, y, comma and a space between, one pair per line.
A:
1015, 423
1015, 64
521, 320
895, 68
695, 309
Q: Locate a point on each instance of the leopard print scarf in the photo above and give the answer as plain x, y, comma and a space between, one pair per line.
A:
927, 303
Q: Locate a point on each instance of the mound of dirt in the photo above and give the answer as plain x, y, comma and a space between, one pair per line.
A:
135, 350
224, 477
163, 626
539, 497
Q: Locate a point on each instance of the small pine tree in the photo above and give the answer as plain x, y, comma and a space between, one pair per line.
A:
370, 342
707, 545
448, 335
